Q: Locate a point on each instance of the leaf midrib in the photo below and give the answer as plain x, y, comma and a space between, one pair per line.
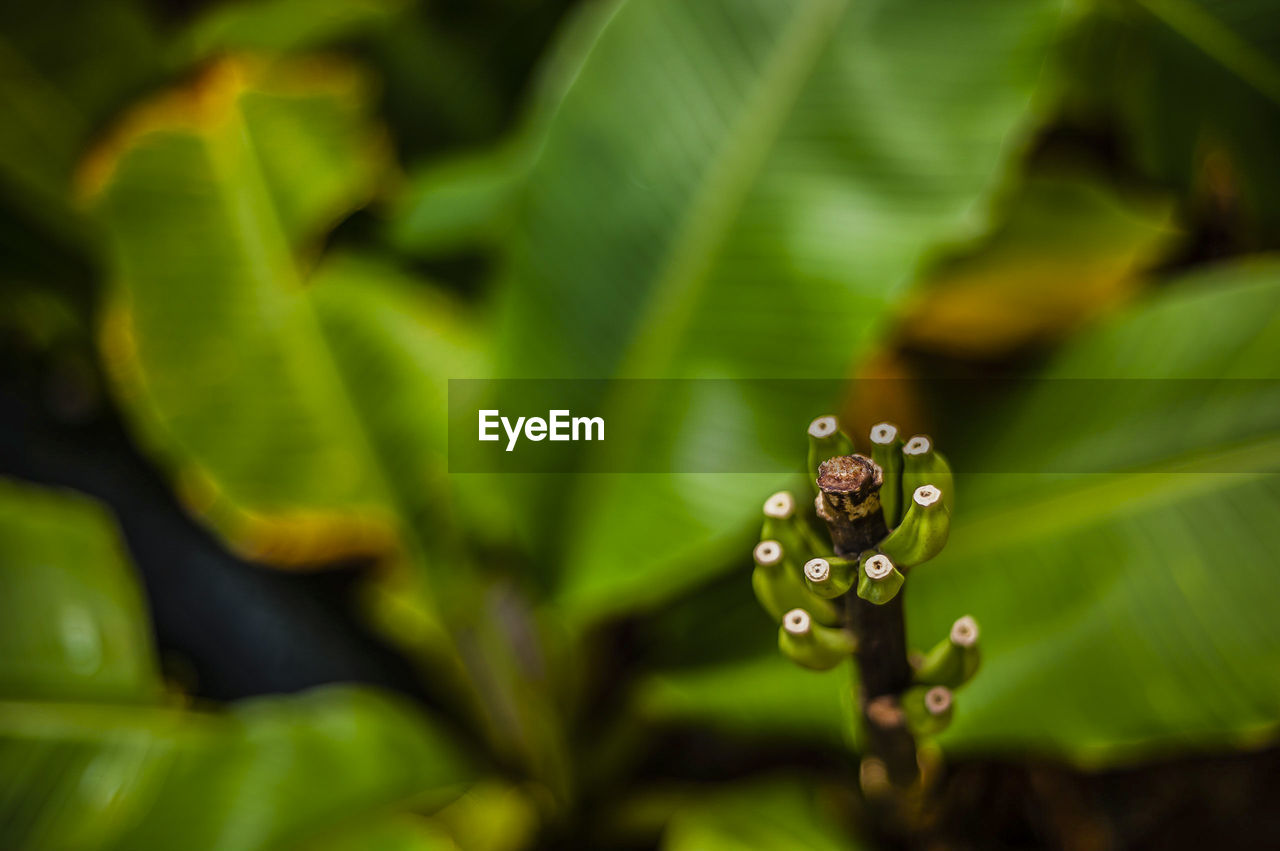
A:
682, 277
334, 385
724, 188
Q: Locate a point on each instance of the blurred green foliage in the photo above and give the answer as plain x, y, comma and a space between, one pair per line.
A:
776, 815
276, 229
95, 754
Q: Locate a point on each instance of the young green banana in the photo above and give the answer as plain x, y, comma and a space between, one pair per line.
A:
826, 440
886, 450
831, 576
878, 580
922, 465
779, 589
955, 659
812, 645
923, 531
928, 709
783, 524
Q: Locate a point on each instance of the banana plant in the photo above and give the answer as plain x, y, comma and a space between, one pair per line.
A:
841, 598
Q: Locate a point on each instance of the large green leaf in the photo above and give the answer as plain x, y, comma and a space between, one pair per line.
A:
301, 413
81, 770
395, 343
209, 196
469, 200
1126, 611
739, 189
258, 784
273, 772
72, 627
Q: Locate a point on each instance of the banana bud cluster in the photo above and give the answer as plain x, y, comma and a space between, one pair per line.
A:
803, 581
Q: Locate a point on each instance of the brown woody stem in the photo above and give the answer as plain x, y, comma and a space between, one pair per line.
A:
849, 502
